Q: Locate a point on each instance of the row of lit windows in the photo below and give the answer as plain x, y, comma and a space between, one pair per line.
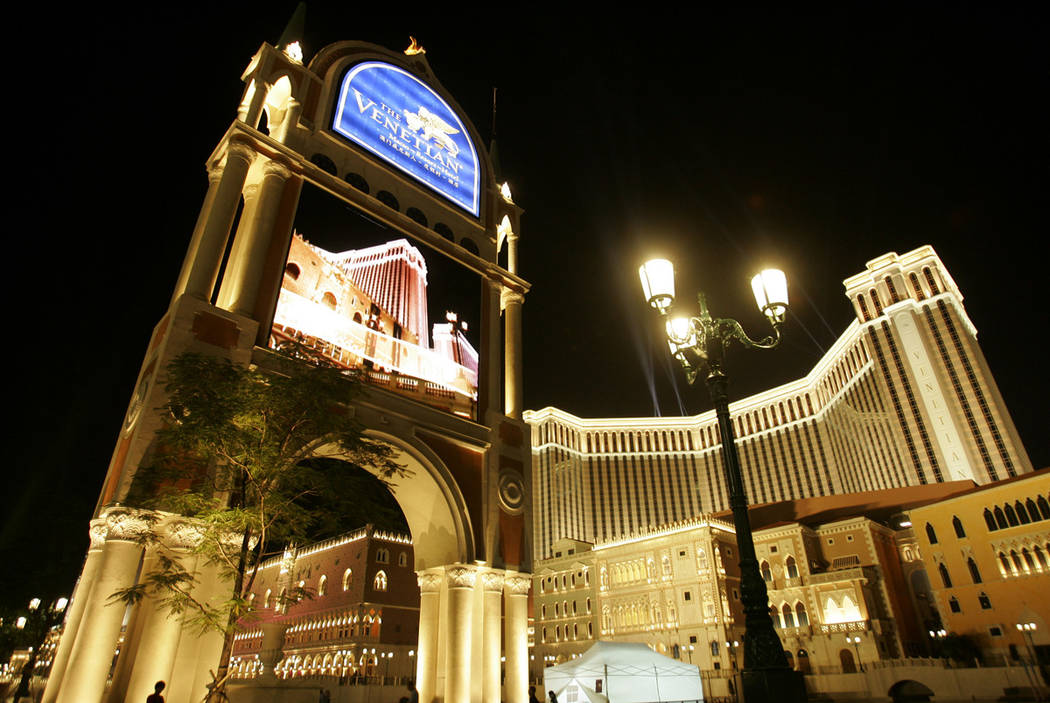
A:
557, 632
562, 609
785, 616
379, 583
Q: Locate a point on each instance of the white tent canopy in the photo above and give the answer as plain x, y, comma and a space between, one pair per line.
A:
623, 672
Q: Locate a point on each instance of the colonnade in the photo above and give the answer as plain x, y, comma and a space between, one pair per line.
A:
126, 543
467, 615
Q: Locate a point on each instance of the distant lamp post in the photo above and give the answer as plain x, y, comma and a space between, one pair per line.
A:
699, 343
855, 641
1027, 630
35, 628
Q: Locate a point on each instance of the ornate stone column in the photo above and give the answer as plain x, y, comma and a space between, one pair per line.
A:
516, 647
492, 583
460, 580
99, 630
511, 301
208, 244
241, 281
75, 613
429, 621
159, 628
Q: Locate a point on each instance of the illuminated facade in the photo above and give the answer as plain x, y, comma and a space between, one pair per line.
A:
346, 608
987, 554
835, 568
904, 397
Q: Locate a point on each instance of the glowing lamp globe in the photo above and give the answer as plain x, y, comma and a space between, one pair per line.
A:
771, 294
658, 283
680, 331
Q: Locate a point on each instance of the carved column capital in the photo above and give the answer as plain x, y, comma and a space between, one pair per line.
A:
517, 585
180, 534
273, 167
429, 582
461, 576
492, 581
97, 532
509, 296
126, 524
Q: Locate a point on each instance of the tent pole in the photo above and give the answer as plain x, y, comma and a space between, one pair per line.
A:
656, 677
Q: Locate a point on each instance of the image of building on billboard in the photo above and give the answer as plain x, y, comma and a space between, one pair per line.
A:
368, 308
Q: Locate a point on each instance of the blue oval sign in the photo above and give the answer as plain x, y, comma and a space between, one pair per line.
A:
400, 119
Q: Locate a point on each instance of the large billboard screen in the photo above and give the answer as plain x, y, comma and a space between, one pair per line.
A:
365, 296
402, 120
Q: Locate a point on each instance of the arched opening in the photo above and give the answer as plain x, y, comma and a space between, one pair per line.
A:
292, 271
849, 666
909, 691
957, 524
803, 662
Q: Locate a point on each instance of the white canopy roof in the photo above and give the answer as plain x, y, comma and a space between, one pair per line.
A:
628, 672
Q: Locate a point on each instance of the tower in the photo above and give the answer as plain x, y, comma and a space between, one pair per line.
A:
374, 130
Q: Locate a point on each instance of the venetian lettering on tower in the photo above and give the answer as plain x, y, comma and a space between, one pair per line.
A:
399, 118
943, 429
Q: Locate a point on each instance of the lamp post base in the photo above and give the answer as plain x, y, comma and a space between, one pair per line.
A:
769, 685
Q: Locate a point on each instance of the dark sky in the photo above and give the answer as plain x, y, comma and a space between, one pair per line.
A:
727, 141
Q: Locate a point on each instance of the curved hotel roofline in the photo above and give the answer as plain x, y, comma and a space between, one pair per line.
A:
903, 397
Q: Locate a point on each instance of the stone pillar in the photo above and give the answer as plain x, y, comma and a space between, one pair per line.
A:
512, 252
240, 286
460, 580
511, 300
201, 267
159, 628
77, 605
492, 583
99, 630
429, 620
212, 588
516, 647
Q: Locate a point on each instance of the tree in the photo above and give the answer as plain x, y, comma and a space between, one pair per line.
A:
234, 457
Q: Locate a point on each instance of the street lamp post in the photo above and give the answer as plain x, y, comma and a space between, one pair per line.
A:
36, 627
855, 641
1026, 629
699, 343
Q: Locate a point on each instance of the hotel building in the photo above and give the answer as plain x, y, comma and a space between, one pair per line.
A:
903, 398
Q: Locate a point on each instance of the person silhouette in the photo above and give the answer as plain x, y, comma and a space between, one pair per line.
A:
554, 698
155, 697
532, 695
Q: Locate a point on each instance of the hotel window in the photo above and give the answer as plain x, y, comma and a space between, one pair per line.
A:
946, 579
380, 581
792, 568
767, 574
974, 573
930, 534
382, 556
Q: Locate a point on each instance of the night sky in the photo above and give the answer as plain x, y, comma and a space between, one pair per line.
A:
727, 142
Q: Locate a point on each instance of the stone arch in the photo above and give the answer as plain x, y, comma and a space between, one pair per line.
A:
431, 501
909, 690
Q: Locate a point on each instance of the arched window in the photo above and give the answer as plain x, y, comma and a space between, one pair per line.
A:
291, 270
348, 578
789, 615
1022, 514
382, 556
1004, 564
767, 575
801, 615
1000, 518
1018, 566
402, 559
953, 605
945, 578
1011, 516
1040, 558
974, 573
957, 524
989, 520
775, 615
1033, 511
1044, 507
792, 568
266, 598
930, 534
322, 585
380, 581
328, 299
543, 611
588, 605
1028, 562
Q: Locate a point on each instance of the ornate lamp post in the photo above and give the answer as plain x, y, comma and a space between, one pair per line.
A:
699, 343
1026, 629
35, 628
